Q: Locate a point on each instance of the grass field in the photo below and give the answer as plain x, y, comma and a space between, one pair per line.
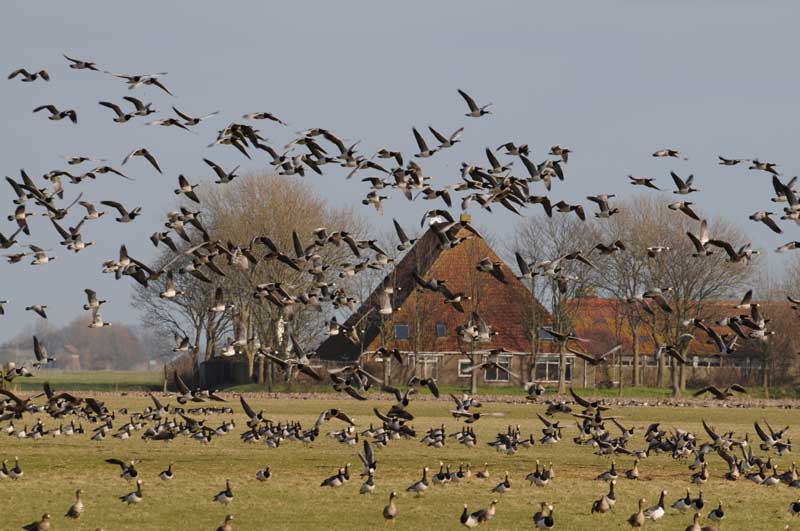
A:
92, 380
54, 468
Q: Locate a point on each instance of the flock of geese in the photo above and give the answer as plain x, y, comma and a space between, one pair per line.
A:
495, 185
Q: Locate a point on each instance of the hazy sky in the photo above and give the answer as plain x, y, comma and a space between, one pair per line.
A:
614, 81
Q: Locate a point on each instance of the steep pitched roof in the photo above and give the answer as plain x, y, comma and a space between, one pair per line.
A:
506, 307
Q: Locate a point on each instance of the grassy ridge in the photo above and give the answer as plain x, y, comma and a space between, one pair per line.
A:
293, 499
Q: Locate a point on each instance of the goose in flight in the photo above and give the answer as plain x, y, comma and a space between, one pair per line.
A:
444, 141
648, 182
40, 256
168, 122
263, 116
142, 109
121, 117
668, 153
138, 80
97, 320
27, 77
187, 189
701, 242
405, 241
189, 120
79, 64
91, 211
474, 110
424, 150
602, 202
685, 207
729, 162
145, 153
223, 176
560, 152
40, 351
764, 166
39, 309
125, 216
56, 115
764, 217
683, 187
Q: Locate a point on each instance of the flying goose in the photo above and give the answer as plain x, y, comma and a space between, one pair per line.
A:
263, 116
187, 189
668, 153
225, 496
91, 211
764, 217
424, 150
56, 115
125, 216
97, 320
135, 496
79, 64
189, 120
474, 110
142, 109
142, 152
643, 181
76, 509
223, 176
592, 360
729, 162
40, 256
121, 117
723, 394
169, 122
93, 302
27, 77
40, 351
40, 309
764, 166
685, 207
129, 471
444, 141
683, 188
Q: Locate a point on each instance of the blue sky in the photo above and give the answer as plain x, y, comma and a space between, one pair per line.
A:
614, 81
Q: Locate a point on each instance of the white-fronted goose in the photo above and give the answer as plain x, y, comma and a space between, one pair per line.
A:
390, 511
76, 509
227, 524
42, 524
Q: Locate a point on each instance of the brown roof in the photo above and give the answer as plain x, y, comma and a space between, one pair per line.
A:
506, 307
603, 322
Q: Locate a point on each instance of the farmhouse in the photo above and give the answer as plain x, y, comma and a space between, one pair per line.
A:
429, 331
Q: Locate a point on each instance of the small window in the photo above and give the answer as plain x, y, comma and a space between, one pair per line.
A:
544, 333
493, 374
402, 331
463, 368
441, 330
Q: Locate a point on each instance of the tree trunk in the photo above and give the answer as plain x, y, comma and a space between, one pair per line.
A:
637, 374
660, 370
562, 368
387, 370
676, 388
765, 373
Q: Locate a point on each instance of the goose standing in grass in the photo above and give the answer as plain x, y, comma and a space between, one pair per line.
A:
636, 520
225, 496
227, 524
420, 486
168, 474
16, 472
390, 511
656, 511
135, 496
39, 525
483, 474
794, 508
695, 526
606, 501
610, 474
76, 509
504, 486
468, 520
368, 487
264, 474
543, 519
633, 473
717, 514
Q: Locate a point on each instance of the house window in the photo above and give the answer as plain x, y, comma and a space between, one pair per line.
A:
463, 368
493, 374
441, 330
402, 331
544, 333
547, 369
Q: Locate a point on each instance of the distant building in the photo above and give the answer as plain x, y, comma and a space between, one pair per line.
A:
427, 330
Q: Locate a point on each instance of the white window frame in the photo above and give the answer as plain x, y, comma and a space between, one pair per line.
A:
552, 360
501, 359
464, 373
